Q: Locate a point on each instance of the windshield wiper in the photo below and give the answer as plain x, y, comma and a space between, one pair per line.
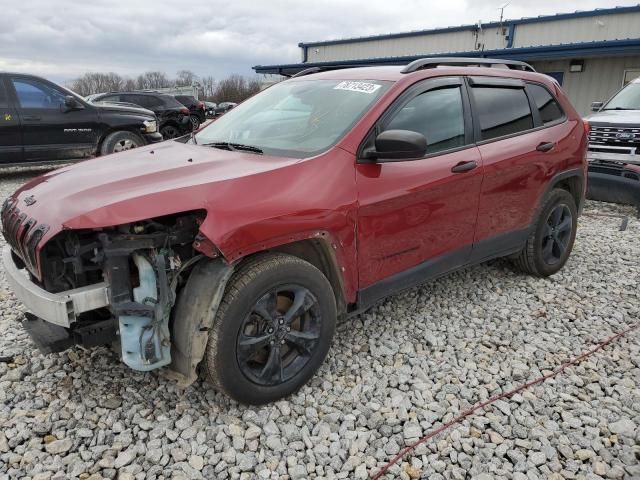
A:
618, 108
234, 146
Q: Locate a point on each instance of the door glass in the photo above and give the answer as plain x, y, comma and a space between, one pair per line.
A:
436, 114
34, 94
4, 102
502, 111
548, 107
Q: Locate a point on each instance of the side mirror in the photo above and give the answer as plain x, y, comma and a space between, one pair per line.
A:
72, 103
596, 106
398, 145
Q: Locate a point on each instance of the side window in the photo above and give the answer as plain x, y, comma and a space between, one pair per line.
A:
110, 98
151, 101
502, 111
436, 114
34, 94
549, 108
4, 101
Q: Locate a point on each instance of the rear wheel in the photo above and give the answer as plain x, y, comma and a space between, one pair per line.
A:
169, 131
550, 244
272, 330
119, 142
195, 122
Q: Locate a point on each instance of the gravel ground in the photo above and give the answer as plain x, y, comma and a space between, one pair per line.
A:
393, 374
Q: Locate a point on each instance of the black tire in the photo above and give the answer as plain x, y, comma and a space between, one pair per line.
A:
548, 247
224, 364
120, 141
169, 131
195, 122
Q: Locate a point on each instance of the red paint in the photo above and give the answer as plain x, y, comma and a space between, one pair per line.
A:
378, 219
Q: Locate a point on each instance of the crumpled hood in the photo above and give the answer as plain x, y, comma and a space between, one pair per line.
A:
615, 117
155, 180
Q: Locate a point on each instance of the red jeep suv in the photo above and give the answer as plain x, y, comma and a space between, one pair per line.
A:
234, 250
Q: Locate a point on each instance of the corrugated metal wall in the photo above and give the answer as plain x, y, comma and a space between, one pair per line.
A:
395, 47
585, 29
601, 78
572, 30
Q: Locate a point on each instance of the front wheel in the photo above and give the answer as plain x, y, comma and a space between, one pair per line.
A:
272, 330
548, 247
119, 142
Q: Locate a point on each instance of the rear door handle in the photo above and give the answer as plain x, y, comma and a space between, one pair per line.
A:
32, 118
545, 146
464, 166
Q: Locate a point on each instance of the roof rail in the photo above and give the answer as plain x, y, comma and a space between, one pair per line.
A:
310, 70
423, 63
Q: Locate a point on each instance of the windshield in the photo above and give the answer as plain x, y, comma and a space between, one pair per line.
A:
626, 99
295, 119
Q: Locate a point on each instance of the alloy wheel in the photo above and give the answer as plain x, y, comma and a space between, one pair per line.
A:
557, 234
123, 145
279, 335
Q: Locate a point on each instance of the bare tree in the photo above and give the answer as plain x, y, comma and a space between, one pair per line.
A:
96, 82
235, 88
208, 87
150, 80
185, 78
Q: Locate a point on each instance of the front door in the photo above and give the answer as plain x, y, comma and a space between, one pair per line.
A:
417, 218
50, 130
10, 129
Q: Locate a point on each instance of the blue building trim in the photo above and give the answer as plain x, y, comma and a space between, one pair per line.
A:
547, 52
521, 21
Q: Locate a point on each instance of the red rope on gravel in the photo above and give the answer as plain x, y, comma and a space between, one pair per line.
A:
501, 396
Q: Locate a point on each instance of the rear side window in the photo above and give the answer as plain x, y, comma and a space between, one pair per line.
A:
502, 111
4, 102
436, 114
548, 107
170, 102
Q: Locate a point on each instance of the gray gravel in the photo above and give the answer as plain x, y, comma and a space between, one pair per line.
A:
394, 373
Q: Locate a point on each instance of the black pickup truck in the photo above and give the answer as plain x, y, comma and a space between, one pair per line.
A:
41, 122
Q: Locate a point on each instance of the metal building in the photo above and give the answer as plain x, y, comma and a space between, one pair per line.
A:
591, 53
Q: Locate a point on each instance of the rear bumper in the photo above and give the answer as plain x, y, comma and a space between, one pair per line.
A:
613, 182
61, 308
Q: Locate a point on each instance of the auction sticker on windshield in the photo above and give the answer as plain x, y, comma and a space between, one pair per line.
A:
364, 87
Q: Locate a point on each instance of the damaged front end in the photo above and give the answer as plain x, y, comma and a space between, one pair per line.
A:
614, 182
118, 287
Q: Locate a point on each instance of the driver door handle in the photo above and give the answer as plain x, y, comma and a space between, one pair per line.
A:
545, 146
464, 166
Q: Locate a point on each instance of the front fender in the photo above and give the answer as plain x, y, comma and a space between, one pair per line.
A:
193, 316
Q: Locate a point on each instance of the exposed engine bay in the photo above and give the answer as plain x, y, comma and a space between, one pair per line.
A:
144, 265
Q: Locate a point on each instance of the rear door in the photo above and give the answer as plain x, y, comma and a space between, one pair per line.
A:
417, 218
519, 153
50, 130
10, 128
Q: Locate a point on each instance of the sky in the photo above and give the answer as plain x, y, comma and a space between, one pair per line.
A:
63, 39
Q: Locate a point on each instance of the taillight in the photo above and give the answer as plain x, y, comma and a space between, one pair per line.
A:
184, 110
587, 127
201, 105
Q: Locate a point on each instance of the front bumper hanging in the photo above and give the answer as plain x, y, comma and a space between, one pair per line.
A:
614, 182
62, 308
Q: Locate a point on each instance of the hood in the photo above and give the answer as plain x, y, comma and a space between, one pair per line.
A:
152, 181
615, 117
122, 107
